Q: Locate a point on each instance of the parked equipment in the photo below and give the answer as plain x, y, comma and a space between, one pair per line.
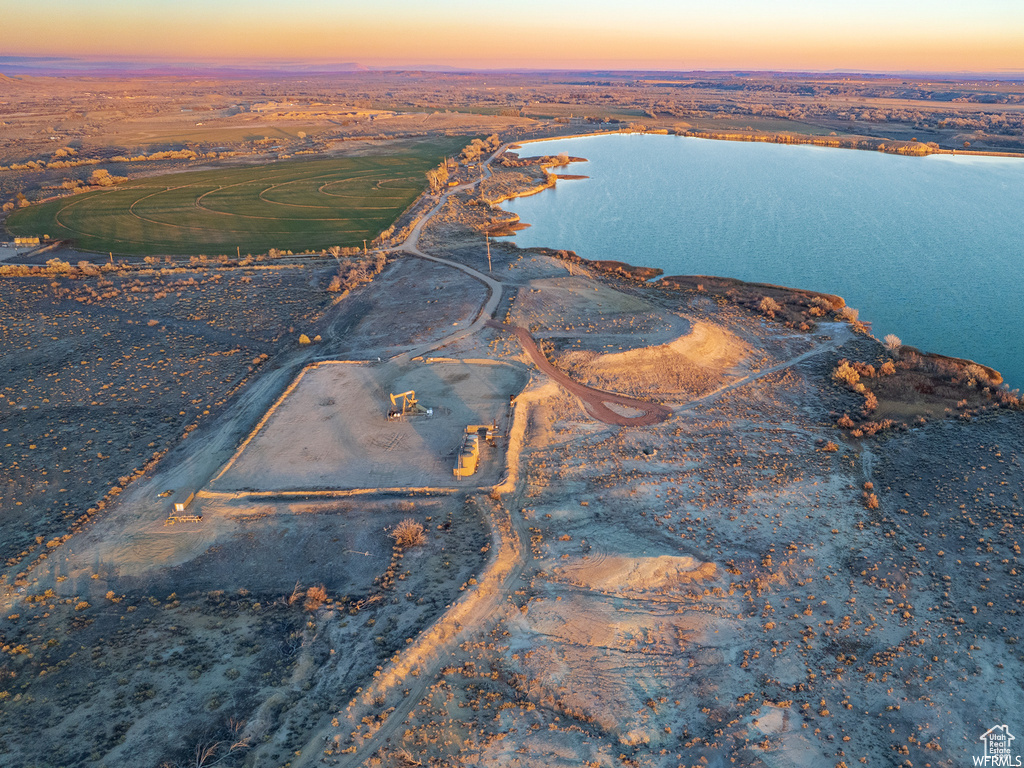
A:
180, 512
469, 454
409, 405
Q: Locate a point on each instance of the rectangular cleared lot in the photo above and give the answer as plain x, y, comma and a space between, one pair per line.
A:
331, 431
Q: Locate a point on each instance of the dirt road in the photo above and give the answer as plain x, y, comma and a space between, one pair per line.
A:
411, 245
595, 400
416, 669
475, 610
840, 333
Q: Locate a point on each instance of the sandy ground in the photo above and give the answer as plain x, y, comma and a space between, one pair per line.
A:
416, 302
332, 430
577, 307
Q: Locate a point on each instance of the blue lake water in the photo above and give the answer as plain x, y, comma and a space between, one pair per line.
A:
931, 249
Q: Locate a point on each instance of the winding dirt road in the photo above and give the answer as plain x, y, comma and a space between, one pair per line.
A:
594, 400
417, 668
405, 680
472, 611
840, 333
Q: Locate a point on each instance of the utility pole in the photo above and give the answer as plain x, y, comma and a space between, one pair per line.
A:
488, 239
364, 246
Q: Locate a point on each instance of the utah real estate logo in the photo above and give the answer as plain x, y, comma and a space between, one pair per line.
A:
997, 748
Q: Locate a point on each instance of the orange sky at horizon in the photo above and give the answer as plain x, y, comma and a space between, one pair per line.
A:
656, 34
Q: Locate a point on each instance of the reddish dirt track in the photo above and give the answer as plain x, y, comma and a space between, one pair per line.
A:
594, 400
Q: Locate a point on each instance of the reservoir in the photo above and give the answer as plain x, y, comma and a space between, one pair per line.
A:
929, 248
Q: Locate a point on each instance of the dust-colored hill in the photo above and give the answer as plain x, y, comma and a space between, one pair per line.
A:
694, 363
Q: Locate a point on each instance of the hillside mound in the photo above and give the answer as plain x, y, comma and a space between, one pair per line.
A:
693, 364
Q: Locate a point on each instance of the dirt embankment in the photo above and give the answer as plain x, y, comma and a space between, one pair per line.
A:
692, 364
995, 378
607, 407
722, 285
895, 147
618, 269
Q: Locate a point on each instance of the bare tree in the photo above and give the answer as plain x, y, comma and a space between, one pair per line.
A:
210, 751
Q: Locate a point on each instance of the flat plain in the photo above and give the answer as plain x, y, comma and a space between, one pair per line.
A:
289, 205
813, 560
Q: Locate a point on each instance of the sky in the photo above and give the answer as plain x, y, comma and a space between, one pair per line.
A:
819, 35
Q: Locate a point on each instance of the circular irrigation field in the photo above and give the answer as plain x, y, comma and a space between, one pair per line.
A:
293, 205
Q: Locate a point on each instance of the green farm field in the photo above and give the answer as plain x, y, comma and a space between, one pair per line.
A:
292, 205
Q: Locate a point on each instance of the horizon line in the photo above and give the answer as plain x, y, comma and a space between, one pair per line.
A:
87, 64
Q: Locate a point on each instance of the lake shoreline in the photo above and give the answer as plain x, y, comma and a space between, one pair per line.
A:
721, 286
862, 144
655, 276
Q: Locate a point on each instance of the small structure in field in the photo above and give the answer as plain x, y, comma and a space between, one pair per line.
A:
469, 456
409, 406
182, 505
180, 513
469, 453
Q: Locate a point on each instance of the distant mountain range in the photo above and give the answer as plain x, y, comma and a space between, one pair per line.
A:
55, 66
